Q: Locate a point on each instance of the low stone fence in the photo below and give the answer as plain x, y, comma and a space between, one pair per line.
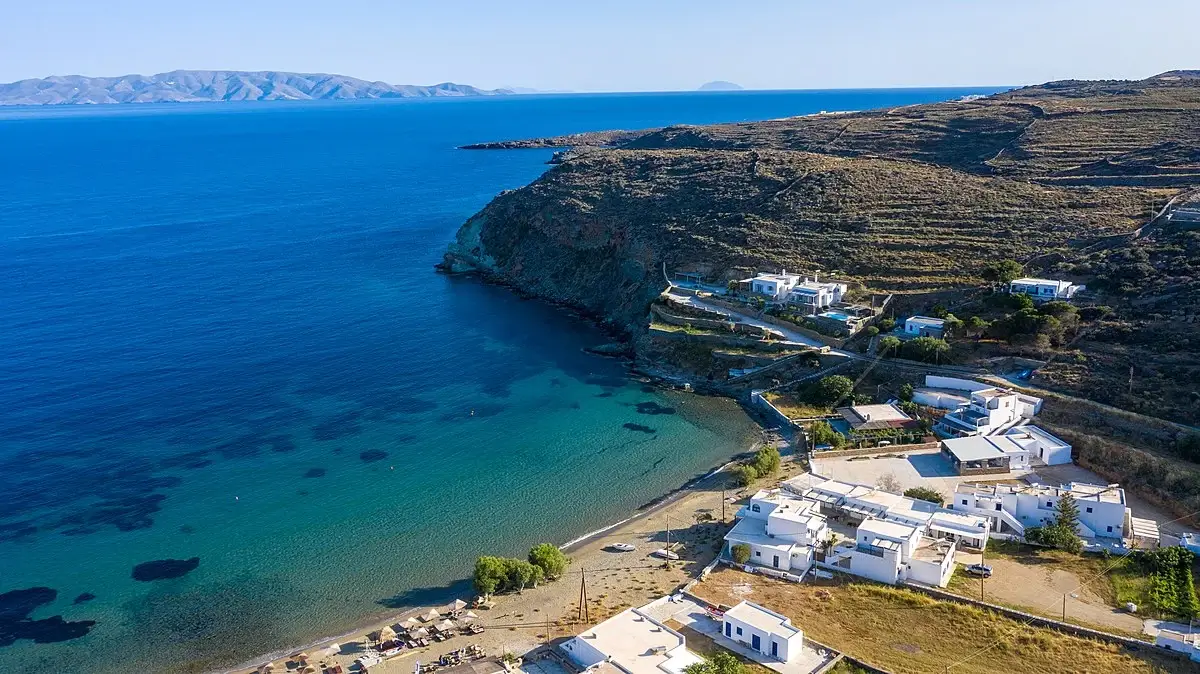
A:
759, 400
873, 451
1042, 621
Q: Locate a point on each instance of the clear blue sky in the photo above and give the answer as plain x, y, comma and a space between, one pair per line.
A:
610, 45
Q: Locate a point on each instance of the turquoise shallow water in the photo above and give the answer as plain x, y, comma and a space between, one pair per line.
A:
223, 339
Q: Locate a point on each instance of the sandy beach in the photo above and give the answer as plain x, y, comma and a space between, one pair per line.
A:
697, 516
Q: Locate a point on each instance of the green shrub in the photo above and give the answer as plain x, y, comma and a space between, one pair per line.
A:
925, 494
830, 390
821, 433
888, 345
549, 559
744, 475
886, 324
926, 349
740, 553
766, 461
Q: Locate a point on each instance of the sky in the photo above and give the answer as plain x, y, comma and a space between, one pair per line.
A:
610, 45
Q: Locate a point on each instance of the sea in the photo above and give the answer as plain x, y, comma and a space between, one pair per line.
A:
223, 343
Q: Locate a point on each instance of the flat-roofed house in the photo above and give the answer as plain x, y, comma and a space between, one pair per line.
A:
813, 295
881, 549
634, 643
876, 417
1043, 289
924, 326
990, 410
774, 286
782, 531
1042, 445
1103, 512
763, 630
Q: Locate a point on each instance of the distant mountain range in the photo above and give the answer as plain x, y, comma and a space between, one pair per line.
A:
720, 85
186, 86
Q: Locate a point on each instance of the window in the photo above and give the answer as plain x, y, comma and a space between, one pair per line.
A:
756, 508
757, 553
739, 631
1049, 504
1110, 530
998, 506
1089, 509
964, 501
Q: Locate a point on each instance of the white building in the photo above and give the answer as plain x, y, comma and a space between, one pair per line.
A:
1042, 290
775, 286
896, 538
924, 326
633, 642
1013, 508
814, 295
986, 455
1042, 446
762, 630
781, 530
990, 410
1187, 643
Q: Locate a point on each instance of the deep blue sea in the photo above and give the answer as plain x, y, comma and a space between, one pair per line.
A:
221, 337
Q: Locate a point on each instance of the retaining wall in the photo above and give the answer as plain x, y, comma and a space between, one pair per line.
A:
772, 411
723, 340
869, 451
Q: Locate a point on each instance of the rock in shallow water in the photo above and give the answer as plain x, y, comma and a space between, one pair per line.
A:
161, 569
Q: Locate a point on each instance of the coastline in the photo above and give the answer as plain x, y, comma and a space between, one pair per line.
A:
697, 486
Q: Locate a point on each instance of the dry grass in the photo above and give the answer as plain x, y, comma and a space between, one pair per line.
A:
907, 632
795, 408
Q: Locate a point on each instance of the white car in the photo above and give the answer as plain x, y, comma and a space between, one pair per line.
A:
623, 547
665, 554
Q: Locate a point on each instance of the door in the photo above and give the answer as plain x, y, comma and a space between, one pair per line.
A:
729, 630
775, 649
755, 642
777, 561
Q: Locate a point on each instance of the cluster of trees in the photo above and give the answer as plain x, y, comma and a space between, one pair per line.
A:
925, 494
765, 462
1002, 271
1062, 533
1050, 324
829, 391
1172, 587
507, 574
924, 349
821, 433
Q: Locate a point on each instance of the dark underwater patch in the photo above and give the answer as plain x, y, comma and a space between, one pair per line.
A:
654, 409
126, 514
281, 444
478, 411
162, 569
16, 531
83, 598
606, 381
372, 455
640, 428
340, 426
315, 472
188, 460
606, 394
187, 529
15, 624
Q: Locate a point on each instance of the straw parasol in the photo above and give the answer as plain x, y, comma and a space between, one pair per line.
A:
387, 634
445, 625
458, 605
431, 616
411, 622
266, 668
421, 633
300, 657
469, 615
308, 669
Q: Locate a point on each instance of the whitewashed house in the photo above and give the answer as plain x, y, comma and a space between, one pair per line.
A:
782, 531
774, 286
814, 295
1187, 643
1043, 290
633, 642
1103, 513
896, 538
1043, 447
985, 455
990, 410
763, 630
924, 326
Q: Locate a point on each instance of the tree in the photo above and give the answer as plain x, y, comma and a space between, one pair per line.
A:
954, 325
740, 552
871, 331
489, 575
976, 325
830, 390
550, 559
1067, 513
906, 392
1002, 271
939, 311
925, 494
821, 433
766, 461
744, 475
886, 324
888, 345
520, 574
888, 482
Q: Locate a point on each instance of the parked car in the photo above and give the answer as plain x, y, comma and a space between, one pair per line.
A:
980, 570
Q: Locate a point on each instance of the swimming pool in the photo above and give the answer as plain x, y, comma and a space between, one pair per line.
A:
836, 315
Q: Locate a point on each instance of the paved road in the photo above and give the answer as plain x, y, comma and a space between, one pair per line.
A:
789, 335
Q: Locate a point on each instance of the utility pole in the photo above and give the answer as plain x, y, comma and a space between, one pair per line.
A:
667, 557
723, 485
583, 607
1064, 607
1131, 380
982, 556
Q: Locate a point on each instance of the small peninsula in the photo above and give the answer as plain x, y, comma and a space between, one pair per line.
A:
719, 85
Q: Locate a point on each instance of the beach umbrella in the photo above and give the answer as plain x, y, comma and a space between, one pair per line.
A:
302, 656
333, 649
266, 667
445, 625
470, 615
421, 633
411, 622
431, 616
308, 669
387, 634
458, 605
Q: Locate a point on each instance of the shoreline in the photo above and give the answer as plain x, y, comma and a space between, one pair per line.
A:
689, 488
